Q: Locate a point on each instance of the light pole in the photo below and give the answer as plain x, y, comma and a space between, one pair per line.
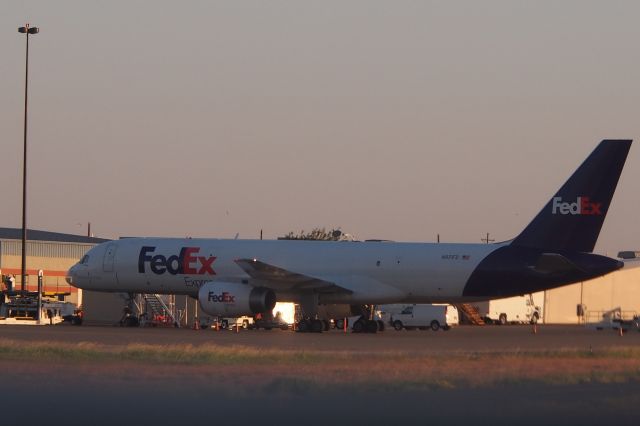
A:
25, 30
487, 240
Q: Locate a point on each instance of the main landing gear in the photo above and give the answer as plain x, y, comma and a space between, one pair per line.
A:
366, 323
363, 325
312, 326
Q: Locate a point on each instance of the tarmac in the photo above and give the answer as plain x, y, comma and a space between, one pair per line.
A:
122, 393
459, 339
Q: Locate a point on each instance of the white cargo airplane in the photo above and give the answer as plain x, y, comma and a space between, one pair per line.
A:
244, 277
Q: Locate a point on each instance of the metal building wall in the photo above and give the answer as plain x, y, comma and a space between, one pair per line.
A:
54, 258
46, 249
620, 289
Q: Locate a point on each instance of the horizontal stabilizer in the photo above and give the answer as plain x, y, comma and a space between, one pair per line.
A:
554, 263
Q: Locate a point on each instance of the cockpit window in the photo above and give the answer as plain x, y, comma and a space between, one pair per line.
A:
84, 260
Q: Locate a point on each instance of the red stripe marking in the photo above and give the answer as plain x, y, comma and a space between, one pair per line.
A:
47, 273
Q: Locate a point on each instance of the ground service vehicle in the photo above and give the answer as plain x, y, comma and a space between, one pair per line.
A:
427, 316
231, 278
521, 309
242, 322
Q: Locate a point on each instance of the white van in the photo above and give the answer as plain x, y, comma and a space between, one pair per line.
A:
385, 312
426, 316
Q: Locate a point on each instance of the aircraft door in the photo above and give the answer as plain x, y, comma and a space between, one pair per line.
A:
109, 258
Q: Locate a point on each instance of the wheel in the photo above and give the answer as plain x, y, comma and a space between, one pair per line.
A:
372, 326
340, 324
131, 322
534, 318
224, 324
446, 327
303, 326
435, 325
358, 326
245, 324
325, 325
317, 326
380, 325
502, 319
398, 325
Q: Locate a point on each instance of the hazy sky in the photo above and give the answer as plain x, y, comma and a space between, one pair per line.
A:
390, 119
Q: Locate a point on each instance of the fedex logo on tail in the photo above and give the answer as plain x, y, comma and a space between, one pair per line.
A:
582, 206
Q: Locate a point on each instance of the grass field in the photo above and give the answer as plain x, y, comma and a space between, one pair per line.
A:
249, 367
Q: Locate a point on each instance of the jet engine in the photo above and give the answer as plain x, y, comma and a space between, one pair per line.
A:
234, 300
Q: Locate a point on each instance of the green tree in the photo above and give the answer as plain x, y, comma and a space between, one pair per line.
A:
317, 234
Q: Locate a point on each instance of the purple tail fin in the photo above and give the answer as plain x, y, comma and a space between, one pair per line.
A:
572, 219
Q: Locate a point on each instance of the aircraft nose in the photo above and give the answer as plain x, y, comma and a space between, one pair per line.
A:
70, 275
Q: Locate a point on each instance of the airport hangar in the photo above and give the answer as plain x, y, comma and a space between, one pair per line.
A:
54, 253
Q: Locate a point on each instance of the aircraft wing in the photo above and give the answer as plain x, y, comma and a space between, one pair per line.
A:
282, 279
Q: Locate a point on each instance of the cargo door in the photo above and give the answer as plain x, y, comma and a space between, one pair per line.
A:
109, 258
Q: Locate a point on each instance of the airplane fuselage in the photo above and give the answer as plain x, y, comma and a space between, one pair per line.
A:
373, 272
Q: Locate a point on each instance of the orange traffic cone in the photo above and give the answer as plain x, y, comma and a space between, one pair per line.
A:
196, 325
